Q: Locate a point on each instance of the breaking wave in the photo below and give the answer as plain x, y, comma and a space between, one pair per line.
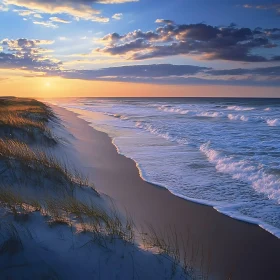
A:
239, 108
273, 122
158, 132
238, 117
244, 171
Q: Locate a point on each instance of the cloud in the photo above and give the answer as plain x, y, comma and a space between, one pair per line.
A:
164, 21
80, 9
117, 16
111, 38
3, 8
26, 13
275, 7
178, 75
155, 70
60, 20
265, 71
31, 55
27, 54
48, 24
205, 41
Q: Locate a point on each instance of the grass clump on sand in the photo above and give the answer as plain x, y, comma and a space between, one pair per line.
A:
70, 211
25, 117
40, 163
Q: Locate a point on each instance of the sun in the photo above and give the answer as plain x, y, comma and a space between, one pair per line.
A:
47, 84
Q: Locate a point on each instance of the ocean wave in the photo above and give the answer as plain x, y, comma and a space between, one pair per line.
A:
117, 116
238, 117
243, 171
210, 114
239, 108
173, 110
158, 132
173, 133
273, 122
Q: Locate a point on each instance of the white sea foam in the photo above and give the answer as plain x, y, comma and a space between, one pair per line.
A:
238, 117
273, 122
210, 114
242, 170
267, 109
173, 110
239, 108
158, 132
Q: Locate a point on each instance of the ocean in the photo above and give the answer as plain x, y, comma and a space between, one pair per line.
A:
221, 152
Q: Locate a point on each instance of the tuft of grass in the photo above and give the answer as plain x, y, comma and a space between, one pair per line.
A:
40, 161
26, 115
89, 218
16, 202
186, 255
15, 120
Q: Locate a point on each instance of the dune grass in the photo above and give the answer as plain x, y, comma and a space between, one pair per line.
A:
188, 256
70, 211
27, 115
106, 226
41, 162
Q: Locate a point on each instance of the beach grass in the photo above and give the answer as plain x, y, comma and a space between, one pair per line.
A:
87, 217
41, 162
26, 115
105, 227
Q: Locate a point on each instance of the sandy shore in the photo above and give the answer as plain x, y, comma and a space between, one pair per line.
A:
237, 250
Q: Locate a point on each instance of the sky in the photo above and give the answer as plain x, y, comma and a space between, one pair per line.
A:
58, 48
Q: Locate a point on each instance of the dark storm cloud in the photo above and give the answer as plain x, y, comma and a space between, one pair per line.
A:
208, 42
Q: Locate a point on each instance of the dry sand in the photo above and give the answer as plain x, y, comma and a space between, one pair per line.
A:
238, 250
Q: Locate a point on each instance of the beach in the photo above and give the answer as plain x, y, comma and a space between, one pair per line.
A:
139, 140
229, 248
54, 223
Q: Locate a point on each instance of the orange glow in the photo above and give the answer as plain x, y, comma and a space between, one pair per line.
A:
58, 87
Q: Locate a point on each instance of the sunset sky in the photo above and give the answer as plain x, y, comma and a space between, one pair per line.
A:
51, 48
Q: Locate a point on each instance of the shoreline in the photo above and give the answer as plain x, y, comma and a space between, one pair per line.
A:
226, 237
215, 205
219, 208
54, 223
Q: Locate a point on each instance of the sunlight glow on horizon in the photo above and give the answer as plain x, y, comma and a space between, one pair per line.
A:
47, 84
56, 87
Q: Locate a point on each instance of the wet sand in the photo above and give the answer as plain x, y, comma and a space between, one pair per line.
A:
236, 249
